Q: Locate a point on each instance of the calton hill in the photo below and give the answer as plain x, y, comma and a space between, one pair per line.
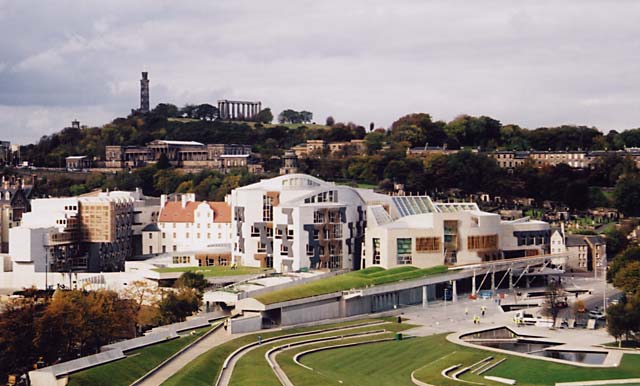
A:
610, 181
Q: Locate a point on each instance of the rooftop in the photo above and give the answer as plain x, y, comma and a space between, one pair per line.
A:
174, 212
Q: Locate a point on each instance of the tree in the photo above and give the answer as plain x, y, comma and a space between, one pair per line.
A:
330, 121
17, 334
206, 112
264, 116
175, 306
617, 324
189, 111
290, 116
193, 280
627, 195
552, 297
616, 241
166, 110
145, 298
628, 278
163, 162
306, 116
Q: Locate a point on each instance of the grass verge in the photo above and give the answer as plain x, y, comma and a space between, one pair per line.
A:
204, 370
352, 280
135, 365
214, 270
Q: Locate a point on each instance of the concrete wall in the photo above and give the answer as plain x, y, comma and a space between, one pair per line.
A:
326, 309
248, 323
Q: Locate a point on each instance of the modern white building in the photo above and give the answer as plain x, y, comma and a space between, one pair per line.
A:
188, 225
93, 232
413, 230
297, 221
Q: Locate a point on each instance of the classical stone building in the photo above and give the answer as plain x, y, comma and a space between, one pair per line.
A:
184, 154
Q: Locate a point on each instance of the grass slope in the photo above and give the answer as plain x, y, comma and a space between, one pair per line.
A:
204, 370
136, 364
214, 270
356, 279
391, 363
253, 368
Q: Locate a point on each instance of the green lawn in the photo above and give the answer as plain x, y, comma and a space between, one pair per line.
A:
204, 370
391, 363
214, 270
137, 363
352, 280
253, 368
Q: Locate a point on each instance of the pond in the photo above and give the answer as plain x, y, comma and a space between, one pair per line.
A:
591, 358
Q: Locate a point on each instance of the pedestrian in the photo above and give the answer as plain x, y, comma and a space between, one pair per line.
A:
226, 324
483, 309
259, 339
466, 311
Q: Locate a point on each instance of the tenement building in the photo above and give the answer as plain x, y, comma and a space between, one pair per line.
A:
89, 233
14, 202
413, 230
184, 154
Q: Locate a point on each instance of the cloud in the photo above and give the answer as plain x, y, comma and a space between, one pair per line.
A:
535, 63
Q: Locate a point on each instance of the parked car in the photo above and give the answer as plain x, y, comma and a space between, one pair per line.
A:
598, 315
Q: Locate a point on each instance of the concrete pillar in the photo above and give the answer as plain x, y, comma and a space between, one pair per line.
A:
510, 279
424, 296
454, 290
493, 280
473, 283
259, 106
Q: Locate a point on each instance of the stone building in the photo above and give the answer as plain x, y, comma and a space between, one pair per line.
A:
184, 154
14, 202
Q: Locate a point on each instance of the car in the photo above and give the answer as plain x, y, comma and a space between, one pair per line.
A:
596, 315
485, 294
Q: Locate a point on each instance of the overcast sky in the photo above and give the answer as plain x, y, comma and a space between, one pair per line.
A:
534, 63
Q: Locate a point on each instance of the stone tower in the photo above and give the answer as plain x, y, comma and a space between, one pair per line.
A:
290, 163
144, 93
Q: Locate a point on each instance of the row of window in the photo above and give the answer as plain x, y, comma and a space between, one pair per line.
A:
319, 217
188, 225
328, 196
198, 235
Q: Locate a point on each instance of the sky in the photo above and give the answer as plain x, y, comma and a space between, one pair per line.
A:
534, 63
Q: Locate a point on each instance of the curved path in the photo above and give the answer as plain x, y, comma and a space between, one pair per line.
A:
271, 355
217, 337
229, 364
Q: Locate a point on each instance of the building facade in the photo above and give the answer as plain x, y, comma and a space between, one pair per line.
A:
14, 202
319, 147
185, 154
94, 232
188, 225
588, 253
413, 230
297, 221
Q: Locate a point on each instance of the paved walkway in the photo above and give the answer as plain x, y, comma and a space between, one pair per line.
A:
214, 339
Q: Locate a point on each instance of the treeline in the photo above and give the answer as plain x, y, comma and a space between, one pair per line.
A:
488, 134
208, 185
473, 172
74, 323
266, 140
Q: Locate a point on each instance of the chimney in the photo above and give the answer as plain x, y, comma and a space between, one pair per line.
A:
184, 198
163, 201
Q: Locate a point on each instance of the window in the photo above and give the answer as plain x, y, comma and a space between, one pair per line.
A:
316, 234
255, 232
187, 235
310, 250
175, 248
403, 260
334, 217
284, 248
164, 249
209, 236
279, 233
150, 250
198, 235
269, 232
403, 246
376, 250
290, 233
267, 208
262, 247
150, 236
482, 242
427, 244
318, 217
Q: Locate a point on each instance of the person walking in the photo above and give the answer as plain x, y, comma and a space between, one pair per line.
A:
483, 309
466, 311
